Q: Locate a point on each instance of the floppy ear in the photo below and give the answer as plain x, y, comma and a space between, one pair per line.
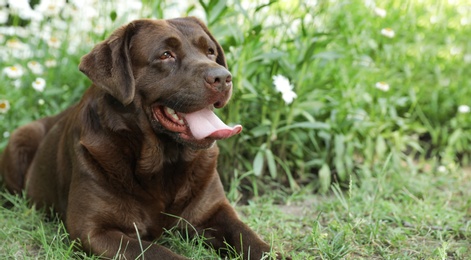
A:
220, 59
108, 65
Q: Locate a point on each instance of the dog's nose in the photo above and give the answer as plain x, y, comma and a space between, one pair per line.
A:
219, 79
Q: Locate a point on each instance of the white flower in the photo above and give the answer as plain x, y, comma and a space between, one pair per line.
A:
3, 16
464, 109
99, 29
23, 9
30, 14
128, 6
129, 9
35, 67
54, 42
80, 8
14, 72
388, 32
380, 12
4, 106
50, 7
282, 83
39, 84
41, 102
283, 86
442, 169
16, 44
17, 5
50, 63
382, 86
6, 134
289, 96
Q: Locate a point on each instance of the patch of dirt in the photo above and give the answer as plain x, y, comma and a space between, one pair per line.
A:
300, 208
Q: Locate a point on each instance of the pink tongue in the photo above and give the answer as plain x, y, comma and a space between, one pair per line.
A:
204, 123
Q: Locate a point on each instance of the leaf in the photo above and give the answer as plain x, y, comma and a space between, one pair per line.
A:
260, 130
269, 56
339, 156
324, 178
381, 147
214, 10
258, 163
113, 15
339, 145
454, 137
304, 125
271, 163
328, 55
264, 5
340, 167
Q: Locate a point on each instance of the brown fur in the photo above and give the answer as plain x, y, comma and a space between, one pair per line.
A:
107, 166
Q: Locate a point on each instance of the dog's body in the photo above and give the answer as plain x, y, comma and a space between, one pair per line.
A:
138, 149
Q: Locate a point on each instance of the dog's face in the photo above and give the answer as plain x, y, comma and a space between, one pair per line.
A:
174, 69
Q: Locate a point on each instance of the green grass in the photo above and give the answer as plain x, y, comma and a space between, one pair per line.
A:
346, 170
407, 212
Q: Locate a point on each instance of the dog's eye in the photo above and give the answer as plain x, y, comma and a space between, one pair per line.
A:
211, 51
166, 55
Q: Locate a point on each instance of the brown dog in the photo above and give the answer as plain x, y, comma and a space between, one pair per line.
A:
139, 148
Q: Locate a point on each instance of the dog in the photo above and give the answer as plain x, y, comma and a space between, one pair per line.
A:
139, 147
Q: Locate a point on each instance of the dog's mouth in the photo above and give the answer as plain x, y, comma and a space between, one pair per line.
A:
195, 126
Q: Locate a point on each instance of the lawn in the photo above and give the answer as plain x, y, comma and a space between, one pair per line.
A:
398, 212
356, 115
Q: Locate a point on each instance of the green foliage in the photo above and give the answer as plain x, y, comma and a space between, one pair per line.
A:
335, 55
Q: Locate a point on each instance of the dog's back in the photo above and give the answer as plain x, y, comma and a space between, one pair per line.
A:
18, 155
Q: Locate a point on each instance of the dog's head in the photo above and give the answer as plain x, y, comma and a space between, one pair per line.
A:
174, 70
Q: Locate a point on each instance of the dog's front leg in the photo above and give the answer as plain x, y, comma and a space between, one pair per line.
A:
104, 229
115, 244
223, 226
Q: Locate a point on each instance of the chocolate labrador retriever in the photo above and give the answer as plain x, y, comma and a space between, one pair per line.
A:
139, 148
